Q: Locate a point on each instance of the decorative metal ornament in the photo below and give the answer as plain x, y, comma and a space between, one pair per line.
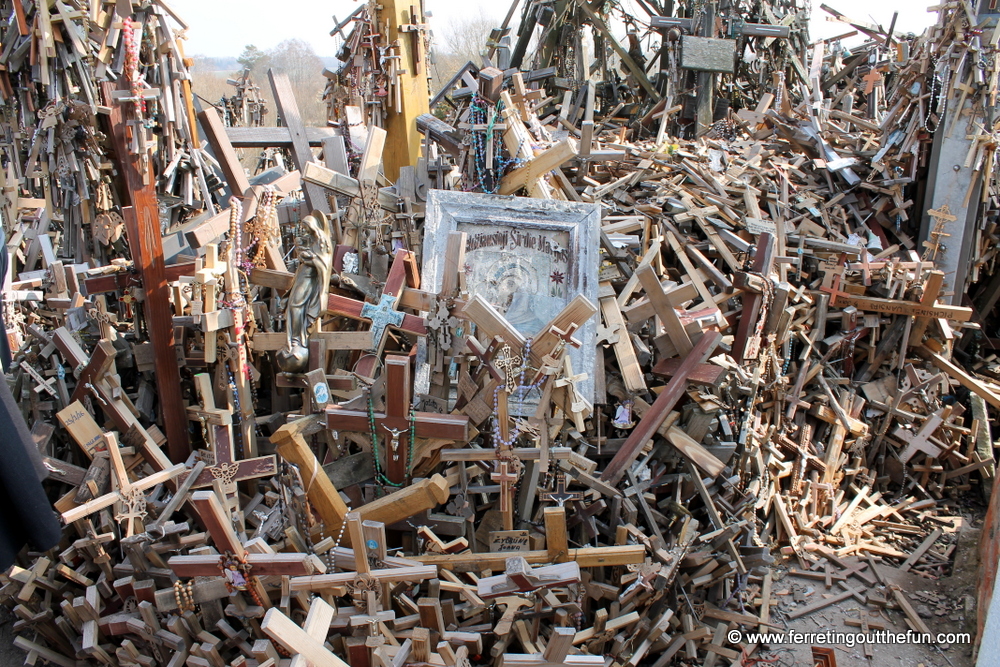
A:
383, 314
133, 505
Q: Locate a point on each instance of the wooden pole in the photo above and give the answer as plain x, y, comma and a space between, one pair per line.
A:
142, 223
403, 137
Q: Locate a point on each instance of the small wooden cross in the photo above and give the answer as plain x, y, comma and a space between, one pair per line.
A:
394, 422
507, 478
561, 495
130, 494
941, 216
556, 654
520, 577
871, 80
577, 405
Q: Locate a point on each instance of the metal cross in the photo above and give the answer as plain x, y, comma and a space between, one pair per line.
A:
383, 316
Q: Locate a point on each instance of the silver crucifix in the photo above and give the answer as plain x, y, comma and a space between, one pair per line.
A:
394, 442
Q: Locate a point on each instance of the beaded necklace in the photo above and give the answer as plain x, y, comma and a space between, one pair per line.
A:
132, 46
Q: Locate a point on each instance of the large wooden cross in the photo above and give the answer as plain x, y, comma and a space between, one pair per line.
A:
142, 222
393, 425
306, 643
131, 495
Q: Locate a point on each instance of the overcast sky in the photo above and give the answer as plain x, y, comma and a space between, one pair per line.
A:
224, 27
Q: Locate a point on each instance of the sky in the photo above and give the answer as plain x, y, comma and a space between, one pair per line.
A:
224, 27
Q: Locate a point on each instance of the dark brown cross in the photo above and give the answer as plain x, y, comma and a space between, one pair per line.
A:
393, 425
217, 522
383, 315
993, 4
226, 468
561, 495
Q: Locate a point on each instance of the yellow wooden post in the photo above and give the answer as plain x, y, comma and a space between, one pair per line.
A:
406, 26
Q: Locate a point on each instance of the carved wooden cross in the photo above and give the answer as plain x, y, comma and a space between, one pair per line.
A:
226, 468
383, 315
130, 494
561, 495
393, 425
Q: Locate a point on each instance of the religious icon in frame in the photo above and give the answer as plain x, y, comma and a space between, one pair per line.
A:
527, 257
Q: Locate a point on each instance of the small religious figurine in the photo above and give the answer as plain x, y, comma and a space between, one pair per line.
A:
307, 298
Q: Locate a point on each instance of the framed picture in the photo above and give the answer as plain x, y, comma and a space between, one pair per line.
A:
527, 257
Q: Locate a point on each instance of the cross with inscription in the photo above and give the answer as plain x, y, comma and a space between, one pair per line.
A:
393, 425
383, 315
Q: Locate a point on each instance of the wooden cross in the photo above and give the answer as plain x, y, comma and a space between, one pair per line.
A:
556, 654
305, 642
871, 80
226, 468
383, 315
762, 262
142, 223
561, 495
577, 405
490, 323
130, 495
941, 216
520, 577
664, 309
417, 31
219, 525
394, 423
507, 479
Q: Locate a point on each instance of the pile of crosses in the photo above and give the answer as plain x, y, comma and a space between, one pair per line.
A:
605, 423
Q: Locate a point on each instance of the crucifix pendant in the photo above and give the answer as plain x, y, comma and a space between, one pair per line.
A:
394, 442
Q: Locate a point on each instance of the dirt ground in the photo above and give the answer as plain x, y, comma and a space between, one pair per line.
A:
947, 605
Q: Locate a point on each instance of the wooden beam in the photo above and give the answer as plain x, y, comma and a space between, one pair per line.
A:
142, 224
661, 407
